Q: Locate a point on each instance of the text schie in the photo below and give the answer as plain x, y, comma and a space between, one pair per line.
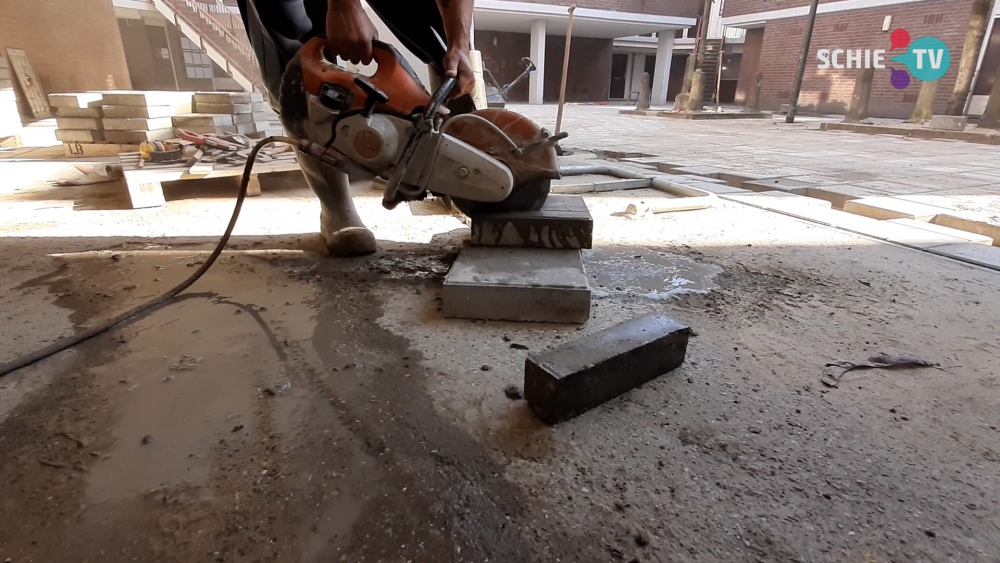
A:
855, 58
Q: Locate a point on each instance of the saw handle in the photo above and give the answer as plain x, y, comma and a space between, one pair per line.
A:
440, 96
372, 96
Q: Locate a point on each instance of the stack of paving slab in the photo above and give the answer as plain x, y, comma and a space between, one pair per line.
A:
524, 266
10, 117
230, 113
79, 117
133, 117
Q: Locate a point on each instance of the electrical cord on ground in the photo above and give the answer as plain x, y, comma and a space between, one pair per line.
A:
70, 341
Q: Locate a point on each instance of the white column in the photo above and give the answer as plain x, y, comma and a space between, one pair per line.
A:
635, 82
664, 53
536, 81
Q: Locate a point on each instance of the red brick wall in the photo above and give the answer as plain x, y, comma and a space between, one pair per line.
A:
72, 45
682, 8
830, 90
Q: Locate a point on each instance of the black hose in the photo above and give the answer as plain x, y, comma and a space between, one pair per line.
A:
70, 341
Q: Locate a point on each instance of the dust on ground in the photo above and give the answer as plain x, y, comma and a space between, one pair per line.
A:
299, 408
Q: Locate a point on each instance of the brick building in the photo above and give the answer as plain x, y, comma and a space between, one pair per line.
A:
773, 43
603, 59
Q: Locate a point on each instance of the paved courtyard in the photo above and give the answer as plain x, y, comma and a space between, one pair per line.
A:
963, 178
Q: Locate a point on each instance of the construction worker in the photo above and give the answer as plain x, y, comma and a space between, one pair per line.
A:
277, 30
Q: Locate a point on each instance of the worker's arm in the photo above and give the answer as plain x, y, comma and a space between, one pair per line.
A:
457, 17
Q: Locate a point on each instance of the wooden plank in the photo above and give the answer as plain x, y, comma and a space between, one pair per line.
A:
79, 100
137, 137
137, 123
79, 136
147, 98
96, 150
146, 112
30, 86
84, 123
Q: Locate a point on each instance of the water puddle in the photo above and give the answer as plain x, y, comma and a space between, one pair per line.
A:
647, 273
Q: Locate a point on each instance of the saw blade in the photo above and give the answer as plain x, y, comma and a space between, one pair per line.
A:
501, 134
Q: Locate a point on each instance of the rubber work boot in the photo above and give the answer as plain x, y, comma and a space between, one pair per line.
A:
339, 223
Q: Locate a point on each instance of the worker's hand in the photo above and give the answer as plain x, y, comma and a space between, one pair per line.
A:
456, 64
349, 31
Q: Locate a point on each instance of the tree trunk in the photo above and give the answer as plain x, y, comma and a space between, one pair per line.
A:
978, 20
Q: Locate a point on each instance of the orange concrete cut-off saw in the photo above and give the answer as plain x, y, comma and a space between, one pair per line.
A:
387, 125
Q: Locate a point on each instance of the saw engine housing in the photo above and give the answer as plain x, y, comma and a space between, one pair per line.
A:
388, 126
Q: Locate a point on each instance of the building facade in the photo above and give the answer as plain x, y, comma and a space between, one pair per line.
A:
609, 40
774, 37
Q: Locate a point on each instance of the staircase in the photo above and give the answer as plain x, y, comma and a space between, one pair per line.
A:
219, 33
710, 68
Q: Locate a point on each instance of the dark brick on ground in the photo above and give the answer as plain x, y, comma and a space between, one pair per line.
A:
563, 222
570, 379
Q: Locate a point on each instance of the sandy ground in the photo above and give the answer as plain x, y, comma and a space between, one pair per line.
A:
295, 407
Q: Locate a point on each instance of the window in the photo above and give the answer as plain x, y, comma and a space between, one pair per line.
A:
196, 62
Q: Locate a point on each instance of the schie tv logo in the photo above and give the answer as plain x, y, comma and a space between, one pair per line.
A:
927, 58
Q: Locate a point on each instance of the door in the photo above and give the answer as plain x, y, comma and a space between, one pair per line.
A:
988, 72
619, 76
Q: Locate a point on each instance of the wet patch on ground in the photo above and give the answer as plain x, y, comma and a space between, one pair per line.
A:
647, 273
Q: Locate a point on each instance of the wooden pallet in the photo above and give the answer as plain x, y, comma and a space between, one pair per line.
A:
145, 185
96, 150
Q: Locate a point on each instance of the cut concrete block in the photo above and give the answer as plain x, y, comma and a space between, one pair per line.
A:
839, 194
255, 117
202, 120
248, 128
79, 136
893, 208
137, 123
949, 122
980, 254
517, 284
146, 98
969, 225
146, 112
971, 238
563, 222
92, 113
577, 376
781, 184
228, 97
225, 108
87, 123
136, 137
79, 101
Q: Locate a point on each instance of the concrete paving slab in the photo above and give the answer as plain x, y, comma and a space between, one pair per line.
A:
777, 200
893, 208
718, 188
707, 171
971, 238
517, 284
595, 183
839, 194
969, 225
882, 230
570, 379
988, 256
694, 179
563, 223
776, 183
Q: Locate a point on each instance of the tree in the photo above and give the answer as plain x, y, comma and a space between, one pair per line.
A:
978, 20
